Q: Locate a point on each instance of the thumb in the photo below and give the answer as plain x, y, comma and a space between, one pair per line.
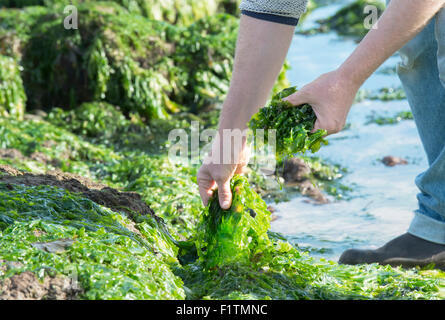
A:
316, 126
224, 194
297, 99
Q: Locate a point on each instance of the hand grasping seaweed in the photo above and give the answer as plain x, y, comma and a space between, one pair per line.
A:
293, 125
236, 235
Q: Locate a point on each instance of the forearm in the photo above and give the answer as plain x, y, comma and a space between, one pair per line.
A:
260, 52
401, 21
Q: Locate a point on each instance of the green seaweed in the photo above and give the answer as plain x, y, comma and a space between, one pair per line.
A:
121, 71
232, 236
108, 260
12, 93
182, 12
382, 94
144, 66
349, 20
239, 259
90, 119
388, 120
293, 126
266, 268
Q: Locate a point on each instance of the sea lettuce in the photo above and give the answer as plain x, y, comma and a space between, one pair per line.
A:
293, 125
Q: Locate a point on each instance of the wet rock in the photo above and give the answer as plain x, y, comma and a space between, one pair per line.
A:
11, 154
39, 233
56, 246
296, 170
391, 161
307, 188
273, 216
128, 202
26, 286
8, 170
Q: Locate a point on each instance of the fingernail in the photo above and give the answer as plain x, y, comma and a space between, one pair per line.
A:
226, 205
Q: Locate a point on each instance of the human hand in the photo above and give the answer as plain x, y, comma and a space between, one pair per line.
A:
213, 175
331, 96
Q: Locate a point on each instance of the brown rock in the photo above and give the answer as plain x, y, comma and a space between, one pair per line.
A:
307, 188
128, 202
11, 154
391, 161
295, 170
26, 286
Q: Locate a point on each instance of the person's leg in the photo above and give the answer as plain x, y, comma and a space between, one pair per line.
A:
421, 78
421, 74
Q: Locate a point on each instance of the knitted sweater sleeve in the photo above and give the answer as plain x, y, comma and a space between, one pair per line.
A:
280, 11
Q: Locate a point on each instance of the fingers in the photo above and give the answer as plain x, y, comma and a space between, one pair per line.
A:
316, 126
206, 186
297, 99
240, 169
224, 194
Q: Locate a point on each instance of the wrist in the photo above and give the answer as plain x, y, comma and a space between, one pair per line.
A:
352, 79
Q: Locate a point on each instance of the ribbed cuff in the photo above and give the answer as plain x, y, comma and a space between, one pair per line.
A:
271, 17
427, 228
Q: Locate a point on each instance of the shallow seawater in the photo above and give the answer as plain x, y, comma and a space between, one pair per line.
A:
383, 198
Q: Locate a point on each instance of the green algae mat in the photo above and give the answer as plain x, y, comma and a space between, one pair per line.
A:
90, 206
114, 255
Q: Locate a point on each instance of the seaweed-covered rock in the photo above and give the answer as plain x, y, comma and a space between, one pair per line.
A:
112, 56
349, 20
109, 255
145, 66
15, 29
90, 119
204, 55
182, 12
12, 93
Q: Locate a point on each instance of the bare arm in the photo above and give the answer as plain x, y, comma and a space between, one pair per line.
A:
261, 49
260, 52
401, 21
332, 94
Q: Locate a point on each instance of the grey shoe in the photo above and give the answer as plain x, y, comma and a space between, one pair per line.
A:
406, 250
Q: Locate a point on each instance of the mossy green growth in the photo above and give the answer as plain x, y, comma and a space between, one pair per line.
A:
385, 120
292, 126
183, 12
72, 153
349, 20
236, 235
15, 29
12, 93
29, 3
109, 258
90, 119
238, 258
112, 56
145, 66
204, 56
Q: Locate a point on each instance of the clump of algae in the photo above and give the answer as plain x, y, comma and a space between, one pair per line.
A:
292, 126
238, 234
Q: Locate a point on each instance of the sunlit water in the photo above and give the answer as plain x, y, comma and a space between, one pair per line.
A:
384, 198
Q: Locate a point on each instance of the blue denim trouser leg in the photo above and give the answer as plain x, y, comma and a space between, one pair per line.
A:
422, 72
